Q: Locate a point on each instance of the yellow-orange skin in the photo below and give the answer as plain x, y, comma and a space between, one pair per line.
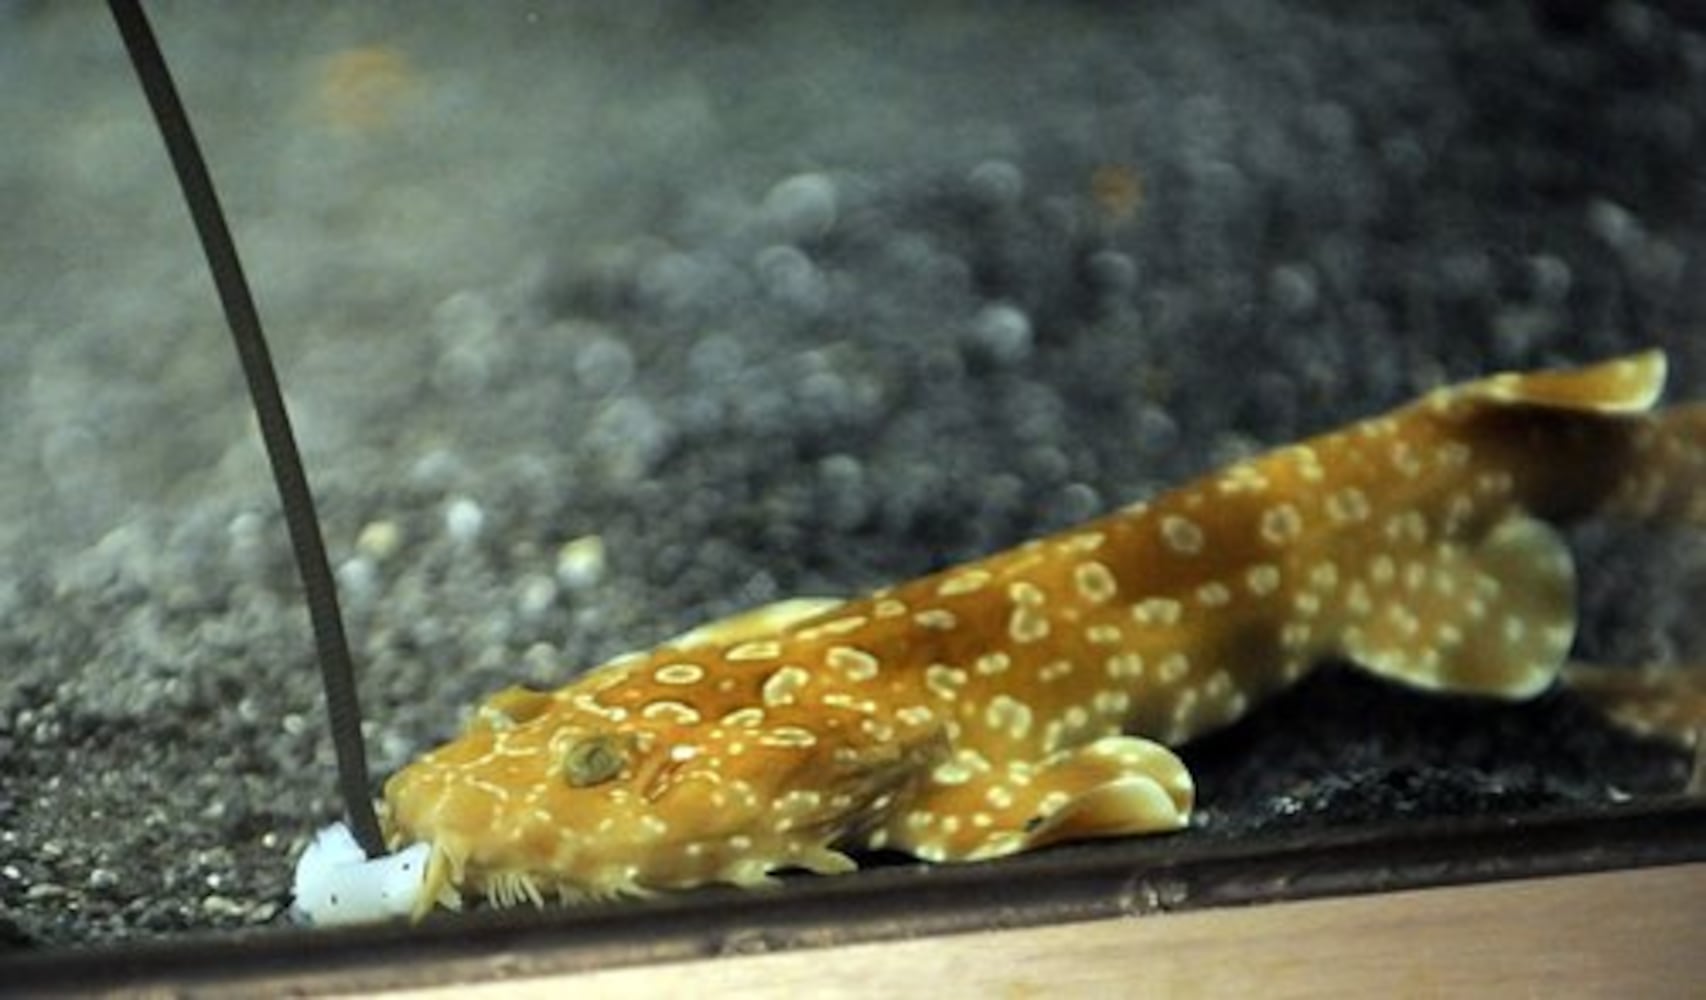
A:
1030, 697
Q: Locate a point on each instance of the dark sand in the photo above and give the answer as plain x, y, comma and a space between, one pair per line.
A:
771, 303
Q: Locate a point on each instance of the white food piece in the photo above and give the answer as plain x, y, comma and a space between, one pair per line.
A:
337, 884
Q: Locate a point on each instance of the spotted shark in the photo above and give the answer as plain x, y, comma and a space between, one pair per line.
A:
1035, 696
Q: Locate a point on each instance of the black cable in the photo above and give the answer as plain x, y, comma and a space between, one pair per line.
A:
342, 706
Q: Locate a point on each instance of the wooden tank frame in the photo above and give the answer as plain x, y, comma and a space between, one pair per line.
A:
1608, 897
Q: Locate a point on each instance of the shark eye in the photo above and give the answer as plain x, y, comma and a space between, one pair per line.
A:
593, 761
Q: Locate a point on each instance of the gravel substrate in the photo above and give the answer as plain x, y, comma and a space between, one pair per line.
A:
601, 320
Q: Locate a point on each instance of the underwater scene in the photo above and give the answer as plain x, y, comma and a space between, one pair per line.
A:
604, 324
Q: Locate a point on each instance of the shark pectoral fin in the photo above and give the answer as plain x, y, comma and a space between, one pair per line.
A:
754, 623
1665, 702
1114, 787
825, 861
1495, 617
